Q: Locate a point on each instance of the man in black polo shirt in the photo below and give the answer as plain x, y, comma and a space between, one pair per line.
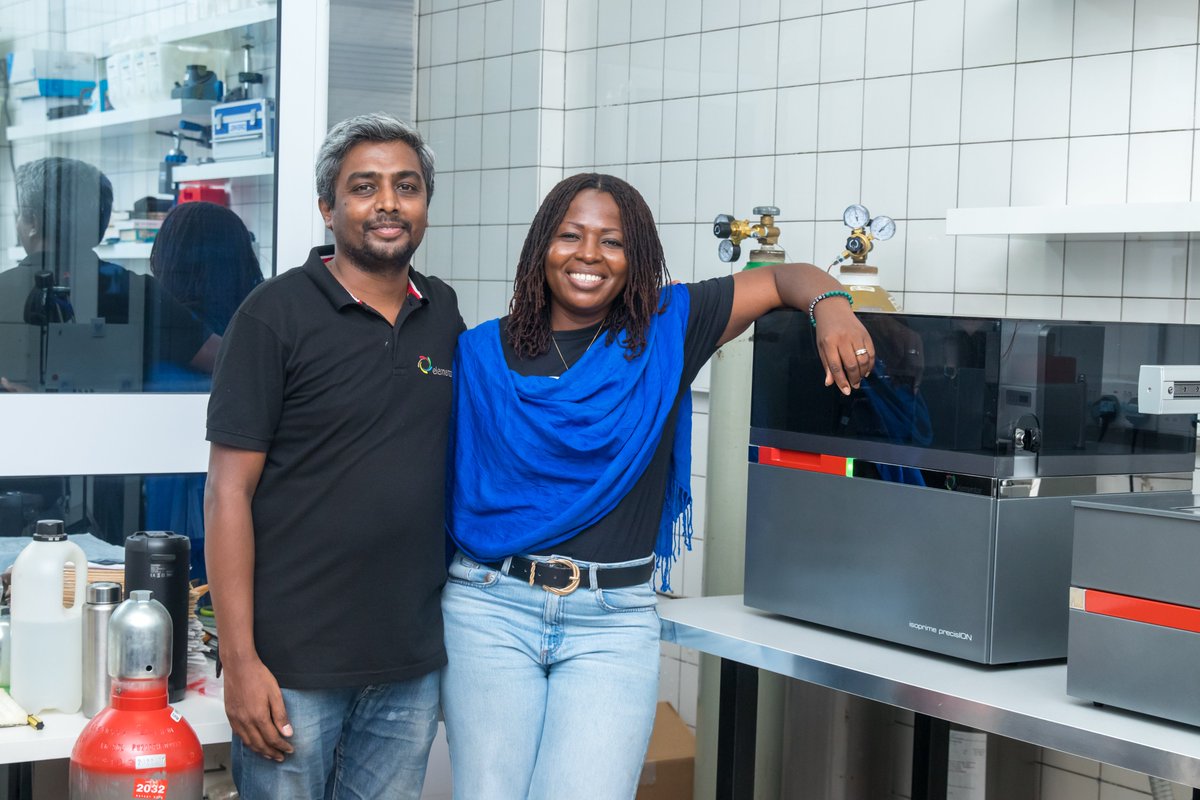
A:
328, 421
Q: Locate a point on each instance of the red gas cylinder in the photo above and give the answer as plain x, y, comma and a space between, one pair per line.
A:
138, 748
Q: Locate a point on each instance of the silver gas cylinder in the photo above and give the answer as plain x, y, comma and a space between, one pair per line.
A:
139, 639
138, 746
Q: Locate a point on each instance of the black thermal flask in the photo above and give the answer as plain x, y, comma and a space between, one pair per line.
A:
160, 561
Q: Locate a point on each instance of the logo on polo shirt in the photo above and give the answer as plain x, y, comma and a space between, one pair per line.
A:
425, 364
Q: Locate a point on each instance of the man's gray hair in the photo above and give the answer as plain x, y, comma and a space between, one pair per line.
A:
69, 201
376, 127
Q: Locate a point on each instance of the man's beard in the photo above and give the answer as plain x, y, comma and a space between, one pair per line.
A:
379, 261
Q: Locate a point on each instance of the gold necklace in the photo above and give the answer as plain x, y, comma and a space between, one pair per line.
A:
567, 366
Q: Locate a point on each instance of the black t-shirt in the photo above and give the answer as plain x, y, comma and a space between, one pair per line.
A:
353, 416
629, 530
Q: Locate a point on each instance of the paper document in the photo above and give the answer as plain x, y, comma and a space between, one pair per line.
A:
11, 714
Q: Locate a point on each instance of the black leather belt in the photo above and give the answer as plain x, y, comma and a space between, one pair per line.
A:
563, 576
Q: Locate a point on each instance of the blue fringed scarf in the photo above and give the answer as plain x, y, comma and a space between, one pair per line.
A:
537, 460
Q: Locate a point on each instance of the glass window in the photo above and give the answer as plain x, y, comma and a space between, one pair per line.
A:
108, 507
138, 188
951, 392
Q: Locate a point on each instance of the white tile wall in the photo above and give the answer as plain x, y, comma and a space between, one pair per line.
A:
681, 66
1043, 99
842, 39
838, 176
936, 108
839, 126
886, 106
1099, 86
1163, 23
1158, 105
933, 181
796, 119
981, 265
1098, 170
718, 126
1103, 26
985, 172
1039, 175
889, 40
1154, 173
910, 107
938, 35
795, 179
718, 54
1094, 267
989, 32
1043, 30
646, 70
884, 180
799, 51
758, 48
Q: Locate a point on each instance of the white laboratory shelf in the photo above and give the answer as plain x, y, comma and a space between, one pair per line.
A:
121, 251
135, 119
1074, 219
219, 24
124, 251
204, 713
224, 170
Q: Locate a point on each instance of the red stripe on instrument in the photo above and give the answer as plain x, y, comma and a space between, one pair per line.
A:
796, 459
1137, 609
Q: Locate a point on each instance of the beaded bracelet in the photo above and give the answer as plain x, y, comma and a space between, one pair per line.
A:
834, 293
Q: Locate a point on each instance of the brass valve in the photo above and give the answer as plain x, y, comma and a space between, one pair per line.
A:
733, 231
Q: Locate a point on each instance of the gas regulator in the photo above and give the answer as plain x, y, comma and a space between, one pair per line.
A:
864, 232
732, 232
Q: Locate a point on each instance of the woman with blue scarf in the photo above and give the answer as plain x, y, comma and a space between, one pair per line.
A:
569, 485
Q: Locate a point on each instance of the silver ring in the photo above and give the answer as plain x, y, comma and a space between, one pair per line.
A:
862, 351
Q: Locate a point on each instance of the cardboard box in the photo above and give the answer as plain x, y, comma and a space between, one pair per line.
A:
670, 760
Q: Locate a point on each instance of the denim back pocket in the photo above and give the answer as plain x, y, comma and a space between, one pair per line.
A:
628, 598
471, 573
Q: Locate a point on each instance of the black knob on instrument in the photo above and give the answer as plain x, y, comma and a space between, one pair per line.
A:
723, 226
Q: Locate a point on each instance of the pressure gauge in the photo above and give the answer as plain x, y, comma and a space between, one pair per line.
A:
723, 226
856, 216
882, 228
728, 251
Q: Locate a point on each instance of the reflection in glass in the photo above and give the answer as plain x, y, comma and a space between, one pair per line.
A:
71, 320
110, 507
951, 392
204, 258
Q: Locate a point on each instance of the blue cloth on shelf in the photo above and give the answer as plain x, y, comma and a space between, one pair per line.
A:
96, 550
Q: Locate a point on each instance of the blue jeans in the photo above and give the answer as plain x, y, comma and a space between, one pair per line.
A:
547, 695
357, 743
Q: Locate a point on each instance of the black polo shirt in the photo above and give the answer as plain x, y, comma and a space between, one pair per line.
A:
353, 415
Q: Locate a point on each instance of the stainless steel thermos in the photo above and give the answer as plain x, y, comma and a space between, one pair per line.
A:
160, 561
101, 600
